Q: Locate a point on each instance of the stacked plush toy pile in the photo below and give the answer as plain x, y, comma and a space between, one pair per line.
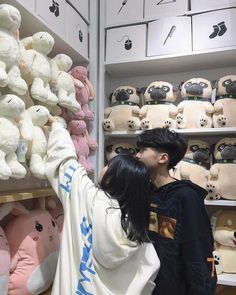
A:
33, 86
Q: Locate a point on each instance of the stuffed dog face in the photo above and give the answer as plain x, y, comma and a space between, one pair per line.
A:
227, 85
197, 87
198, 150
160, 91
225, 149
225, 230
126, 94
113, 150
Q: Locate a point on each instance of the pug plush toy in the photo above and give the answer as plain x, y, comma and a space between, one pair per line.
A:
158, 109
195, 111
123, 115
225, 105
123, 147
195, 164
221, 183
224, 232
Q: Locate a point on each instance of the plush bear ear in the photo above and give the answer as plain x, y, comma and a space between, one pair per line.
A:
214, 84
175, 88
180, 85
15, 208
138, 91
27, 42
26, 126
142, 90
110, 97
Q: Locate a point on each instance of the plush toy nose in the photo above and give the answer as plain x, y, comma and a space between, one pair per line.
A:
235, 234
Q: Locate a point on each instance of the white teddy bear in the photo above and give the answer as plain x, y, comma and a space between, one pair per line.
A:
32, 121
64, 85
10, 75
11, 106
41, 70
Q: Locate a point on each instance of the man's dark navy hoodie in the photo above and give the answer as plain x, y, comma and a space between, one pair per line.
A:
181, 232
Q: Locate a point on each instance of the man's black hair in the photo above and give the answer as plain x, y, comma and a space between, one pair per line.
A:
164, 140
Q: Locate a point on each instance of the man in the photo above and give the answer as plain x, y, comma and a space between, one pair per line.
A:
179, 224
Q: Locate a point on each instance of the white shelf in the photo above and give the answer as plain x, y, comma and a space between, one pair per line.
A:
187, 132
31, 23
220, 57
228, 203
227, 279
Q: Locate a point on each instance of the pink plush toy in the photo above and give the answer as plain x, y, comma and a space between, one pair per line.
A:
82, 142
4, 252
84, 94
34, 244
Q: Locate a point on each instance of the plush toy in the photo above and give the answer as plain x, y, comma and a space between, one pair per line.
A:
195, 164
34, 245
195, 111
11, 106
124, 111
10, 75
224, 232
64, 85
31, 123
225, 105
4, 252
158, 109
221, 183
41, 69
115, 149
84, 93
82, 142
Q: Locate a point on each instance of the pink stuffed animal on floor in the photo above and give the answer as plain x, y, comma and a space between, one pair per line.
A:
84, 94
34, 244
82, 142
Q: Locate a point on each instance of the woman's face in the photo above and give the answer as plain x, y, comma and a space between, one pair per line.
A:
103, 171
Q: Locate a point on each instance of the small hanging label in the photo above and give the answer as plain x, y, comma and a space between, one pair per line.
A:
22, 150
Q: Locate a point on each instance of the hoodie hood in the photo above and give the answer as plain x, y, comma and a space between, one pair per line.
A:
175, 185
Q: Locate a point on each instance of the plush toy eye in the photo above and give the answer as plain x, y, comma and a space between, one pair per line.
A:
130, 91
166, 88
131, 151
227, 82
38, 226
204, 85
188, 84
194, 148
119, 149
221, 147
151, 89
53, 223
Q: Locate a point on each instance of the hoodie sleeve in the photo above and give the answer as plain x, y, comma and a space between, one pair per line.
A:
63, 169
197, 246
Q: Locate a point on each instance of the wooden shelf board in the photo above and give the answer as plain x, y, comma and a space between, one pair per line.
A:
32, 23
24, 195
227, 279
187, 132
220, 57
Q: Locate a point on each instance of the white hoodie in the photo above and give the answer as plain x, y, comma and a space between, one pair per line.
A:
95, 256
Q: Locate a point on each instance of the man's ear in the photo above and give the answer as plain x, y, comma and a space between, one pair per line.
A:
164, 158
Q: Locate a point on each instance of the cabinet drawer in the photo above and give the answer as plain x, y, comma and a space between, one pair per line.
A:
82, 6
126, 43
214, 29
170, 35
76, 31
29, 5
157, 8
53, 12
123, 12
204, 4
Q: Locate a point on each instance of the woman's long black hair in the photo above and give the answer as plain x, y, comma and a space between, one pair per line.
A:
127, 180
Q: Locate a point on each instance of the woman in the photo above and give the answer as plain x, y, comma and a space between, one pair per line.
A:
105, 248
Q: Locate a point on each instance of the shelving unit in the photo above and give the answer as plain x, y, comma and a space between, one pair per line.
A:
25, 195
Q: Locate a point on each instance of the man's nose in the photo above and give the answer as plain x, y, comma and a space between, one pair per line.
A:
137, 155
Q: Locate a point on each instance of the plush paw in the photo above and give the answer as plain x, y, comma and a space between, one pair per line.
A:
145, 124
169, 123
180, 121
203, 122
217, 262
132, 125
108, 125
211, 188
221, 121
